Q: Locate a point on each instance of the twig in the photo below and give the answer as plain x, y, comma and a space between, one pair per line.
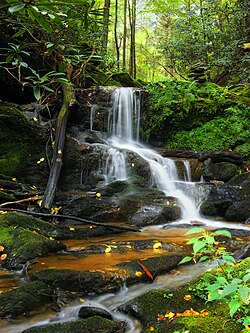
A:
37, 197
60, 216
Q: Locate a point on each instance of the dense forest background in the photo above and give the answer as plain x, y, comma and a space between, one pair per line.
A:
191, 56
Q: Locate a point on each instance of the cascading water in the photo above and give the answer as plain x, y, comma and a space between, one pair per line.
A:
124, 126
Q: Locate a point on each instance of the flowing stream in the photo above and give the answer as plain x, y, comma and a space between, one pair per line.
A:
124, 130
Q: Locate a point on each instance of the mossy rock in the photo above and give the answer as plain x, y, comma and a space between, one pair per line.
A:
90, 325
88, 282
22, 245
221, 171
21, 145
24, 299
125, 80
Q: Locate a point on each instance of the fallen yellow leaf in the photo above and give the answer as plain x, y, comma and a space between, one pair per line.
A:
169, 314
71, 228
98, 195
108, 249
1, 248
187, 297
3, 256
157, 246
138, 274
151, 329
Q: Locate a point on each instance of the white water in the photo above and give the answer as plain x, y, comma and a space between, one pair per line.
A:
124, 127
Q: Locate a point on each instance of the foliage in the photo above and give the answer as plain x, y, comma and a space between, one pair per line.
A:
225, 284
211, 32
198, 117
40, 37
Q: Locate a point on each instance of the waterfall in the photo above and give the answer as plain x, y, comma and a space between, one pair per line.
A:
123, 129
187, 174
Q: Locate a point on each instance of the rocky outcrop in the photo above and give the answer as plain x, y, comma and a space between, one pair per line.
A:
230, 200
24, 299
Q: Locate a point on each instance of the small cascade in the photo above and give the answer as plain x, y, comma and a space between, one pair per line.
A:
115, 168
187, 174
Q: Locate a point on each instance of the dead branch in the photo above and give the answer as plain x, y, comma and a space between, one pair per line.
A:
35, 198
60, 216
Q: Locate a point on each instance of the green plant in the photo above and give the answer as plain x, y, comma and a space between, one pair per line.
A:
40, 83
223, 284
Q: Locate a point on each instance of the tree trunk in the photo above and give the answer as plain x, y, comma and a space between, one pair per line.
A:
105, 25
56, 163
132, 21
124, 36
116, 37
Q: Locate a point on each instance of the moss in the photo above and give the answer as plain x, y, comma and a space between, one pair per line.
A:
90, 325
22, 245
21, 143
24, 299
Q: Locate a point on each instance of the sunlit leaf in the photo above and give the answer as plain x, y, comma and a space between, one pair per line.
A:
16, 8
195, 231
185, 259
223, 233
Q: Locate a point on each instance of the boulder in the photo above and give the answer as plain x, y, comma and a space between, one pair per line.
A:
26, 298
230, 200
222, 171
90, 325
87, 282
21, 244
91, 311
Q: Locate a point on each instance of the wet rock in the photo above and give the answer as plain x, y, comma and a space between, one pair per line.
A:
155, 265
114, 188
238, 211
24, 299
91, 311
90, 325
230, 200
87, 282
222, 171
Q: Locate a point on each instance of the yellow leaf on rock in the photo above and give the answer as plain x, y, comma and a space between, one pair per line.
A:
98, 195
138, 274
157, 246
71, 228
108, 249
169, 315
13, 179
187, 297
3, 256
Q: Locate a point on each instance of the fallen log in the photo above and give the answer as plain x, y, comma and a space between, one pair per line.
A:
60, 216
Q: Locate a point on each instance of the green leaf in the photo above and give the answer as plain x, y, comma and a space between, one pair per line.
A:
195, 231
37, 93
223, 233
246, 277
16, 8
48, 89
185, 259
192, 240
228, 259
199, 245
203, 258
229, 289
244, 293
234, 305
